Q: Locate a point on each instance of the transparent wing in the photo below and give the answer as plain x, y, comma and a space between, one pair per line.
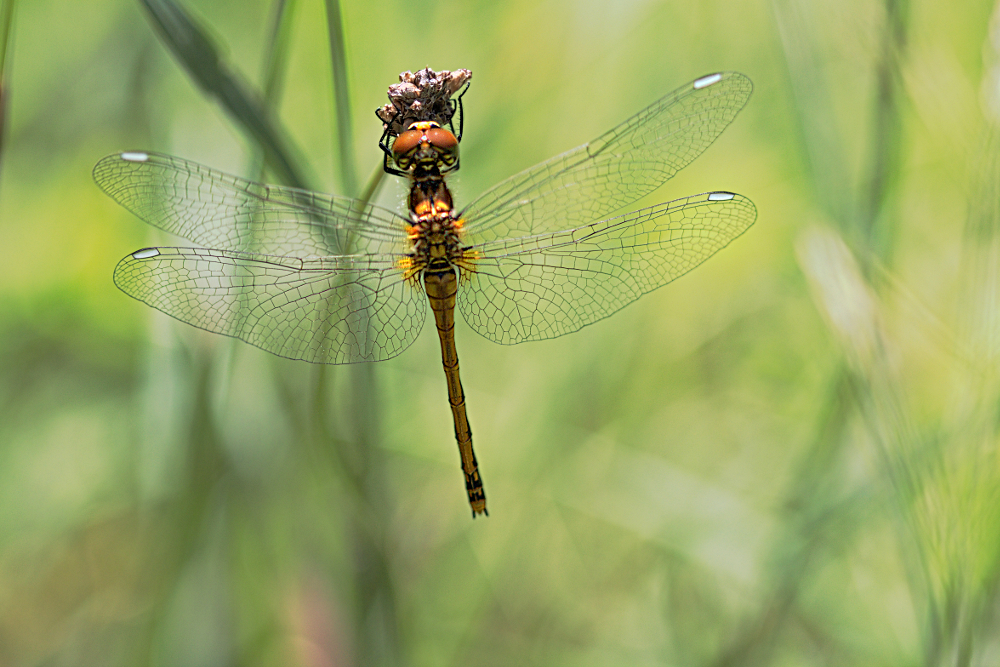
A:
217, 210
596, 179
548, 285
333, 310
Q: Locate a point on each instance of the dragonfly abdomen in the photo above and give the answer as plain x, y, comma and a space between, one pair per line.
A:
441, 286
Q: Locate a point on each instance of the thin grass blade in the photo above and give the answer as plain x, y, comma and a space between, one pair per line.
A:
6, 21
341, 99
199, 56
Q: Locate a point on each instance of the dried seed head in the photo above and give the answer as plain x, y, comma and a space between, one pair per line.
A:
422, 96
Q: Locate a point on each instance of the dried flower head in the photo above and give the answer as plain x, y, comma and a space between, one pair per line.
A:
421, 96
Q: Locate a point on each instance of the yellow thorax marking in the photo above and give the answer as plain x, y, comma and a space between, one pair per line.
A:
424, 208
431, 206
408, 267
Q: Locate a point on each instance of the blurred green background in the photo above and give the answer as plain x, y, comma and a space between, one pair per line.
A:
788, 457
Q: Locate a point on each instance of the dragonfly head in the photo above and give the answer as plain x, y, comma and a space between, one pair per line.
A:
427, 144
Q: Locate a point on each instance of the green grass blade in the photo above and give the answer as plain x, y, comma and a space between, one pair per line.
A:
884, 159
6, 21
273, 73
376, 612
341, 99
277, 51
198, 54
372, 184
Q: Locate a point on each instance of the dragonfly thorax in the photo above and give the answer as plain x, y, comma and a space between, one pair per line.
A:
435, 240
428, 193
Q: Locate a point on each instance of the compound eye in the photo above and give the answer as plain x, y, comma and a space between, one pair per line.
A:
446, 145
405, 144
442, 139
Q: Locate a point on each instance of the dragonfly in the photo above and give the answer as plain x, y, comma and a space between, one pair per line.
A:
335, 280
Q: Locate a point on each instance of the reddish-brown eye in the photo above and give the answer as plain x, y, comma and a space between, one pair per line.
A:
442, 139
405, 143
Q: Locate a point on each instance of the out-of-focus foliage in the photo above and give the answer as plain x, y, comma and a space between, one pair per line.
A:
788, 457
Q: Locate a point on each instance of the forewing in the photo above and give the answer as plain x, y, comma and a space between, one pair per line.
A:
596, 179
544, 286
333, 310
217, 210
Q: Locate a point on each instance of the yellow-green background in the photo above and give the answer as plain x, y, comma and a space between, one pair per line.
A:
787, 457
